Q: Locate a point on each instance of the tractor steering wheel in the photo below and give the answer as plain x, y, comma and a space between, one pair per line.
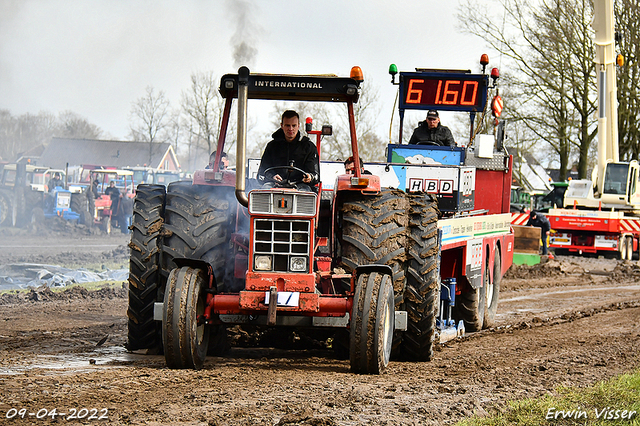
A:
428, 143
286, 182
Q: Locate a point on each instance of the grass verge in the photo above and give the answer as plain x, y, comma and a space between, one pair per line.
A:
616, 401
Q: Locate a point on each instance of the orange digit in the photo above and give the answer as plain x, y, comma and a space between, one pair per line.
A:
437, 101
448, 92
411, 91
463, 100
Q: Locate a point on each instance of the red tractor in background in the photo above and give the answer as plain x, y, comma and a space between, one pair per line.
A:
357, 257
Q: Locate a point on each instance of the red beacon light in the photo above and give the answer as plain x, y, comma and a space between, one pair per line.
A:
308, 124
495, 74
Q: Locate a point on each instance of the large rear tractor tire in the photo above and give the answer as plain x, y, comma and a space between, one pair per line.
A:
198, 223
372, 323
144, 267
422, 292
374, 231
79, 203
492, 292
185, 341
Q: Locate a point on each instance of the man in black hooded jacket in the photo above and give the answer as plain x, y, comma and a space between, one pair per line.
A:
432, 131
289, 148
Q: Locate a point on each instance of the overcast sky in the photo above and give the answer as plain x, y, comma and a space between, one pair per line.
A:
95, 57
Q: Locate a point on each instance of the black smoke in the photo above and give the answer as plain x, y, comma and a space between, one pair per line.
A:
245, 38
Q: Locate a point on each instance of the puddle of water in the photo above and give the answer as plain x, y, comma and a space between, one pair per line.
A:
576, 290
103, 357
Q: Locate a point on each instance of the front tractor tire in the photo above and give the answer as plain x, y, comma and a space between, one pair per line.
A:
372, 323
144, 267
185, 341
422, 292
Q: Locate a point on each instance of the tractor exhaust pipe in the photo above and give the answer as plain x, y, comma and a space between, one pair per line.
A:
241, 146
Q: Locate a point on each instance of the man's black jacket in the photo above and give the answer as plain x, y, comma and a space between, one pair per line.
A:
540, 222
441, 134
301, 151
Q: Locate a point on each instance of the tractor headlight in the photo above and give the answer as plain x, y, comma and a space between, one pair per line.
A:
298, 264
262, 263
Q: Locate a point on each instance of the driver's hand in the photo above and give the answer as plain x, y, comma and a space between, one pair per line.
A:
306, 178
277, 178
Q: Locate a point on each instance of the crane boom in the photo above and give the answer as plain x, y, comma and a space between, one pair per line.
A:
604, 27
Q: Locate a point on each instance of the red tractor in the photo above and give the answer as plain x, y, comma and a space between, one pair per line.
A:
352, 256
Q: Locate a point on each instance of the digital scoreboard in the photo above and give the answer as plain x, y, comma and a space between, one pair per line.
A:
443, 91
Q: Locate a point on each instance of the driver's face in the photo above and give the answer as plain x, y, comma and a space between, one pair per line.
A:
348, 168
432, 122
290, 127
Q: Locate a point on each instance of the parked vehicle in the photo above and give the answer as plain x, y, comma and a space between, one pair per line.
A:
104, 209
601, 216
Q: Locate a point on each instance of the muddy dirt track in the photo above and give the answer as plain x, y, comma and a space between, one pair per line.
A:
571, 321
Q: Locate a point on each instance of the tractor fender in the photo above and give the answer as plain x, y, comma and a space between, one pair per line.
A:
198, 264
382, 269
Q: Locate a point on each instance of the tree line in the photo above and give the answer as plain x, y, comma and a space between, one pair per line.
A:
551, 96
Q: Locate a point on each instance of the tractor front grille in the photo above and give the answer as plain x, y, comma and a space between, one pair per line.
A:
286, 242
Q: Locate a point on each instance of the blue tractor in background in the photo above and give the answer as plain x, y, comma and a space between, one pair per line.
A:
56, 203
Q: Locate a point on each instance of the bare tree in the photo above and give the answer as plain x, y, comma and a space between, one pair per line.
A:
204, 108
549, 46
150, 116
21, 133
72, 125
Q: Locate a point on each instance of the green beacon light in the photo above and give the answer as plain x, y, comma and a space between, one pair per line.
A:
393, 70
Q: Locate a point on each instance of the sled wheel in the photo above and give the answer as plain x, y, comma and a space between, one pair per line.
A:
470, 306
372, 323
492, 292
185, 341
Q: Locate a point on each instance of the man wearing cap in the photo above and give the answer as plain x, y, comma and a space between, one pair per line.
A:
55, 182
431, 130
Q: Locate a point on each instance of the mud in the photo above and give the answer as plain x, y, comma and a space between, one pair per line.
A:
570, 322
